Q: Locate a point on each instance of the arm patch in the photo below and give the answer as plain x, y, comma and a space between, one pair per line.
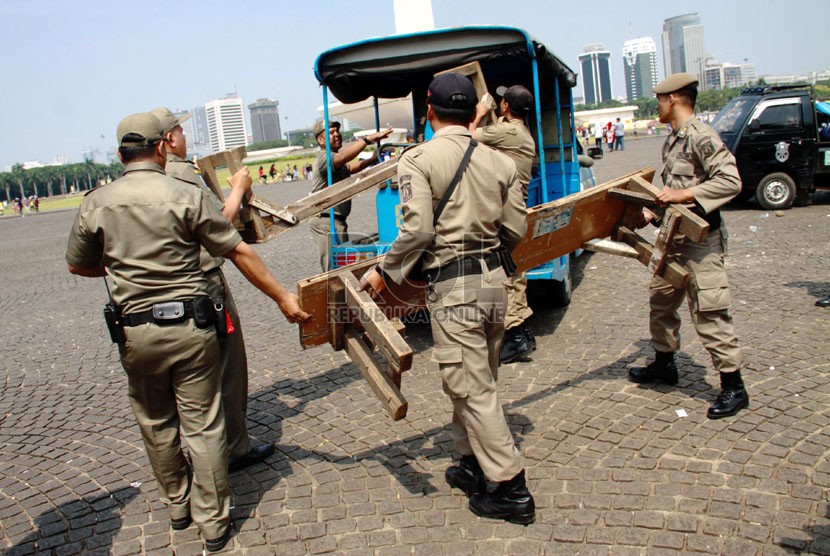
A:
405, 186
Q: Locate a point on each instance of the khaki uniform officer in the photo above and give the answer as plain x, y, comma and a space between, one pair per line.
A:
511, 136
242, 449
466, 299
343, 165
699, 169
148, 229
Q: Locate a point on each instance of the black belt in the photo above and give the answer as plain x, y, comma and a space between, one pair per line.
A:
338, 217
144, 317
465, 266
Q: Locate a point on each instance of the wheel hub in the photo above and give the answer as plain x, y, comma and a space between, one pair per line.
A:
775, 191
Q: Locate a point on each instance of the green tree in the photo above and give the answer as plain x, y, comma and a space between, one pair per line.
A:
646, 108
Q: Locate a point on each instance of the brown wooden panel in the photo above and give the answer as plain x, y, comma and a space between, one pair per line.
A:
562, 226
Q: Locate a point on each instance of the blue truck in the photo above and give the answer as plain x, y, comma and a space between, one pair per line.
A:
402, 66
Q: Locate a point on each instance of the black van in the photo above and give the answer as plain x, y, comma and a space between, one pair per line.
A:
781, 142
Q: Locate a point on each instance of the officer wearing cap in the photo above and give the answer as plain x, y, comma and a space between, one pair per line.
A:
698, 169
343, 165
511, 136
243, 450
145, 230
466, 296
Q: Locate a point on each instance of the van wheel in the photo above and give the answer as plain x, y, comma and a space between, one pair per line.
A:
775, 191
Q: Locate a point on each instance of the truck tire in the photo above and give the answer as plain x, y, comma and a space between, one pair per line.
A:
775, 191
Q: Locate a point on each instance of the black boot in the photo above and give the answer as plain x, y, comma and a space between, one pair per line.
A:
732, 397
510, 501
467, 476
662, 369
529, 335
516, 345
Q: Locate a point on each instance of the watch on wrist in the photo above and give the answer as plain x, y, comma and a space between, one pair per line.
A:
366, 140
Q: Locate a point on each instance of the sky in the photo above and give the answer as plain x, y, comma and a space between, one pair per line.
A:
71, 69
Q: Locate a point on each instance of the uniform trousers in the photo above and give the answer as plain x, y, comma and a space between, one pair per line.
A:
174, 379
321, 232
234, 363
518, 311
709, 302
467, 319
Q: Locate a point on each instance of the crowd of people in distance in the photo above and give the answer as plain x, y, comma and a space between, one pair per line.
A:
30, 204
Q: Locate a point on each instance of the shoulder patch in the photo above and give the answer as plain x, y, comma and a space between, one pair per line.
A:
405, 186
707, 147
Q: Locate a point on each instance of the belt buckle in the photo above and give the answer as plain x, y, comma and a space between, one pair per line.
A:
169, 310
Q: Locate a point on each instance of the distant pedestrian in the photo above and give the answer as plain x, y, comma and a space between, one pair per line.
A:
619, 135
598, 136
272, 172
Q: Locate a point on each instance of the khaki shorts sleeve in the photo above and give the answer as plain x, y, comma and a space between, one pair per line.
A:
82, 249
213, 230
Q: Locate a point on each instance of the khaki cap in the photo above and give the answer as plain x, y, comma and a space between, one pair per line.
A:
319, 126
143, 124
675, 82
168, 119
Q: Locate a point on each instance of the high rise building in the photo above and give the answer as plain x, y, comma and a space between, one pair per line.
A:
265, 120
719, 76
596, 73
226, 124
640, 64
683, 46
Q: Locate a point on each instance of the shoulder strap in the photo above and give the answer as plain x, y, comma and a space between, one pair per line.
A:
456, 178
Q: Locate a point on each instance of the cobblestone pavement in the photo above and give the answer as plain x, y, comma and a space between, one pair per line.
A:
613, 466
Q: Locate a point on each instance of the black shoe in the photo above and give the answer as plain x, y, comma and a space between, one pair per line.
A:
510, 501
662, 369
181, 524
255, 455
824, 302
728, 403
515, 346
529, 335
215, 545
467, 476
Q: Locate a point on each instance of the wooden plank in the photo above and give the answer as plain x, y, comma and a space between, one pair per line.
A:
663, 244
610, 247
633, 197
317, 202
473, 71
382, 332
673, 273
562, 226
380, 382
691, 225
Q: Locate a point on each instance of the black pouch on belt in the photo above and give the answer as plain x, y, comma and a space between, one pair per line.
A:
203, 312
506, 260
223, 317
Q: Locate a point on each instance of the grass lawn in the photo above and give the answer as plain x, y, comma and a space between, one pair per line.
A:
74, 200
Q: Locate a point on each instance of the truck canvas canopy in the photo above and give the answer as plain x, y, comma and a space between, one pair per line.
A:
393, 67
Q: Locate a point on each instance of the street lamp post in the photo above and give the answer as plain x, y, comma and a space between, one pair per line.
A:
287, 132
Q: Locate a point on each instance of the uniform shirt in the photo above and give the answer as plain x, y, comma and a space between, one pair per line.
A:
321, 178
695, 158
513, 139
485, 210
147, 229
186, 171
